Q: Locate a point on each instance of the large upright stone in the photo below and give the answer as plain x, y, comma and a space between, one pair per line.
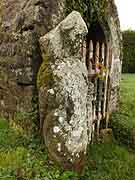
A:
63, 88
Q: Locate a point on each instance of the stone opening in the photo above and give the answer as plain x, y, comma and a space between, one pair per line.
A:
96, 33
98, 67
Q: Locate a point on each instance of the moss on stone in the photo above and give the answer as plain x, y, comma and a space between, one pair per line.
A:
82, 7
45, 73
92, 11
98, 9
3, 76
2, 10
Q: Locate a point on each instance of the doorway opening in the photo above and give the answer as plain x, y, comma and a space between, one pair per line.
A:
98, 62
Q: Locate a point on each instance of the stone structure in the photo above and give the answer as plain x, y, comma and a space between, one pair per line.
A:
63, 88
78, 53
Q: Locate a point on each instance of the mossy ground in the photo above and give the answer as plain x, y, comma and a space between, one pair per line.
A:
24, 157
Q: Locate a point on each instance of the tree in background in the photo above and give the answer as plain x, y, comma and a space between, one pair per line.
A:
128, 51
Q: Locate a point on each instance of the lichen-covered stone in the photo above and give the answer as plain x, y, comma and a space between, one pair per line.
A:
63, 92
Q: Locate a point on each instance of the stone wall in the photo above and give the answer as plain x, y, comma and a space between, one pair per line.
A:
21, 25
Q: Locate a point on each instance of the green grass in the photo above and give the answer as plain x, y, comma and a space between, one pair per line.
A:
124, 120
116, 160
128, 98
110, 162
24, 157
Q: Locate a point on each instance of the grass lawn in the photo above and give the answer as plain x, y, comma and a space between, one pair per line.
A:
128, 96
24, 158
124, 120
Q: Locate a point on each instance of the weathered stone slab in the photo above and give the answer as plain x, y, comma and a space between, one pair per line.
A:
115, 84
13, 97
116, 72
63, 89
19, 63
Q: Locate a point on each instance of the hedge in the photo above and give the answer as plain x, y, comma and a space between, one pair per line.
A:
128, 51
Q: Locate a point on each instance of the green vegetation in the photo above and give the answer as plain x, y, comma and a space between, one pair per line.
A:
84, 7
115, 161
129, 51
124, 120
110, 162
99, 8
45, 73
23, 156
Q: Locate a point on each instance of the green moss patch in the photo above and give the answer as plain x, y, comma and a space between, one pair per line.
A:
45, 73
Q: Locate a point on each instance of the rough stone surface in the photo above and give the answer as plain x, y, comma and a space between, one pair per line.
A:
24, 15
116, 45
18, 67
115, 84
22, 22
63, 92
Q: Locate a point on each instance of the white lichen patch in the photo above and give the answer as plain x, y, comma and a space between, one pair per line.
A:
56, 113
78, 132
51, 91
2, 103
69, 142
56, 129
71, 160
59, 147
61, 120
54, 136
77, 155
